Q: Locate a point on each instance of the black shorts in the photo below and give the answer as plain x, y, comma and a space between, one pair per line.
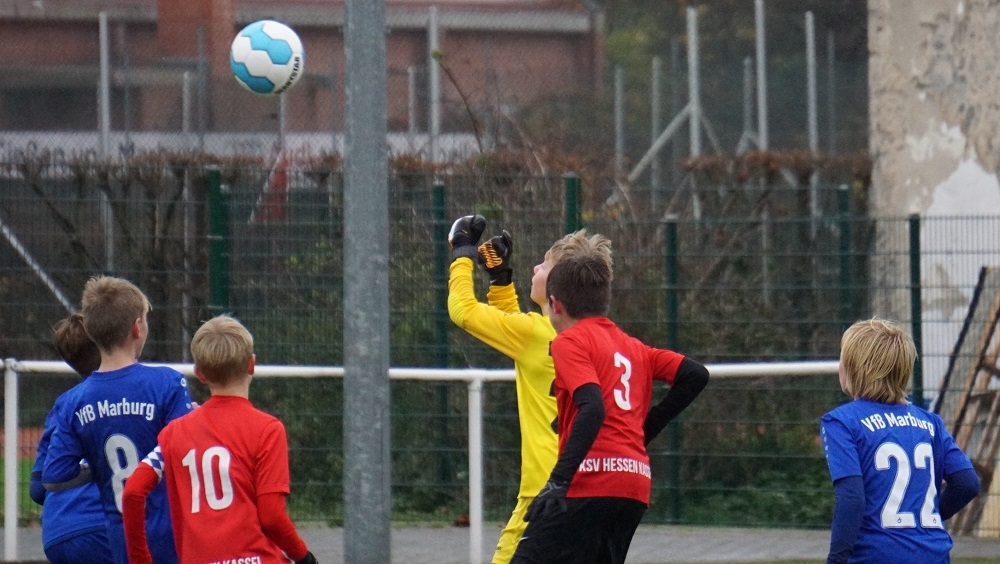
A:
592, 530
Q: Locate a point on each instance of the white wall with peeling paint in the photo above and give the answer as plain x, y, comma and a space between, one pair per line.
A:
934, 79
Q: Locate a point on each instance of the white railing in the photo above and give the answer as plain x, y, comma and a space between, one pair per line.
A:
475, 378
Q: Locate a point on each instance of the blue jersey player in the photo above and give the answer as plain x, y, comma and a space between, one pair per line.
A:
73, 527
897, 472
114, 415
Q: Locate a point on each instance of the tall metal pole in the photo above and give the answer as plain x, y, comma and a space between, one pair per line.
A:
694, 82
654, 171
367, 457
812, 119
411, 100
434, 83
104, 112
202, 89
762, 134
104, 108
675, 107
831, 98
619, 121
747, 103
811, 82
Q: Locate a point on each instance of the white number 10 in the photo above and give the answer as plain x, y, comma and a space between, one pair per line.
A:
923, 459
216, 455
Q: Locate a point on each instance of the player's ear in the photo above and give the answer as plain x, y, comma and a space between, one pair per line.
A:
555, 306
199, 374
251, 364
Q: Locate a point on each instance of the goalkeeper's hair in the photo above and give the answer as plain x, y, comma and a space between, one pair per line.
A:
75, 346
580, 244
877, 357
221, 348
583, 285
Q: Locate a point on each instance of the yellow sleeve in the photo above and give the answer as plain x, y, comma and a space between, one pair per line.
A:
504, 298
506, 332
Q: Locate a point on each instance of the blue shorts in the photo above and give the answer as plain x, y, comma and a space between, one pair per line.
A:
88, 547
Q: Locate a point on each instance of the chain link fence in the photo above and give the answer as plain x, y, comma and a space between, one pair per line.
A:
741, 271
127, 148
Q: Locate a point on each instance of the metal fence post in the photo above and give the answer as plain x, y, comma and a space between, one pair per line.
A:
571, 183
10, 476
672, 315
476, 470
441, 265
846, 294
218, 241
916, 310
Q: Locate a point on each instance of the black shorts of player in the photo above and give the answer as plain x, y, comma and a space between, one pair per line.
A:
594, 530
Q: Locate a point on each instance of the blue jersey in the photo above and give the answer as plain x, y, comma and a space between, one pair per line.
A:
112, 421
73, 512
902, 453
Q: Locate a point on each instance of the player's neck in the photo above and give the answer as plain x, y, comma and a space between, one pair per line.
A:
238, 389
117, 359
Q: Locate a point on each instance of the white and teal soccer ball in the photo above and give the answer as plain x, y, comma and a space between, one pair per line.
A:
267, 57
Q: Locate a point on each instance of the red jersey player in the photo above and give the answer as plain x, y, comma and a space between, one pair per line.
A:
226, 467
596, 494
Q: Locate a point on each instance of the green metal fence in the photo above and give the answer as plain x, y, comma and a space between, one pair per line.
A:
723, 273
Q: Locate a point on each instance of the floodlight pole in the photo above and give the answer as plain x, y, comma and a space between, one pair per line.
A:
367, 456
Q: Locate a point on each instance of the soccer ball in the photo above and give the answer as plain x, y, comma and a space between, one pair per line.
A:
267, 57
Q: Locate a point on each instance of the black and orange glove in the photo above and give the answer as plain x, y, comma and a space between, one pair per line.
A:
494, 255
464, 236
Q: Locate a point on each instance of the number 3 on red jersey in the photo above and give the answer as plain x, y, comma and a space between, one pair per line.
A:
622, 394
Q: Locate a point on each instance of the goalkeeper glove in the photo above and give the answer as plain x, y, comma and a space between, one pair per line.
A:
307, 559
495, 257
549, 503
464, 236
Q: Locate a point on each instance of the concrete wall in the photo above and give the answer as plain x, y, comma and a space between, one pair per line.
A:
934, 78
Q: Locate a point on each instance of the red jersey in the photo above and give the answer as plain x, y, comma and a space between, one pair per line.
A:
596, 351
218, 459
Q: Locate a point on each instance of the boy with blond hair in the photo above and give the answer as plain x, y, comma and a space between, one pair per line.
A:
889, 458
116, 413
225, 465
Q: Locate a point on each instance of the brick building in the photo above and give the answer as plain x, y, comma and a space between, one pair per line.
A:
170, 71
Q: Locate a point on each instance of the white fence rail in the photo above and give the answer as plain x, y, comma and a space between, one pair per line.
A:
475, 378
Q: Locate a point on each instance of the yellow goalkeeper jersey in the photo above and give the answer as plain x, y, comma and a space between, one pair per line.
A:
525, 338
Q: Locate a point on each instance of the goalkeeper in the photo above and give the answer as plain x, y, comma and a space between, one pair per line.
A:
524, 337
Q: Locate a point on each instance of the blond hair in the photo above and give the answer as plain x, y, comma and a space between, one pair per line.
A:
578, 244
221, 349
110, 307
877, 357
